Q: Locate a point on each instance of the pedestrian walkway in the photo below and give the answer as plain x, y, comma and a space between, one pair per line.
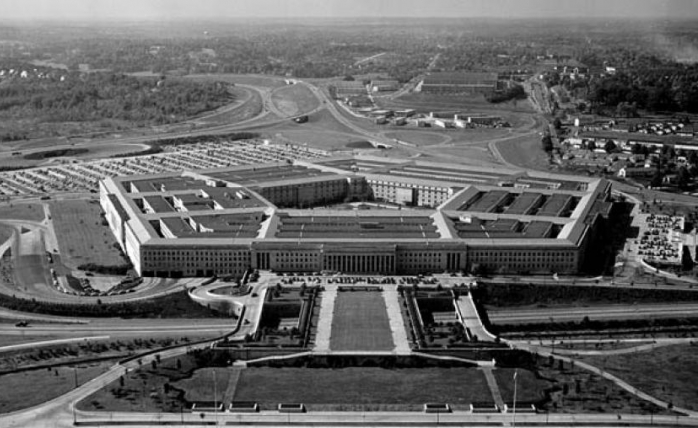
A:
229, 393
397, 326
324, 328
494, 387
472, 320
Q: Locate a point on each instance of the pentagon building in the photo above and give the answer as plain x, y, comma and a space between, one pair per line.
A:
423, 217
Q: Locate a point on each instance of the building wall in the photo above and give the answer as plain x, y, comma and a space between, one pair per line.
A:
525, 260
169, 261
409, 194
306, 194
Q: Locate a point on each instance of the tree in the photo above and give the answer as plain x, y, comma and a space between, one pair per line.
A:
610, 146
657, 179
683, 178
557, 123
547, 143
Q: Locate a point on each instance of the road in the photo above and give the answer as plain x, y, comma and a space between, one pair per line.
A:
595, 313
58, 412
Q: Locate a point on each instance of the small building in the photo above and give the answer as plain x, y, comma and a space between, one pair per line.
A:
384, 85
345, 89
459, 82
632, 172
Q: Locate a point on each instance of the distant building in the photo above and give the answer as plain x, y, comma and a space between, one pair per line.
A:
384, 85
572, 69
347, 89
459, 82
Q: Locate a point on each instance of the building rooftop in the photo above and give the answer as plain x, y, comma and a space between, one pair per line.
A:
461, 78
474, 203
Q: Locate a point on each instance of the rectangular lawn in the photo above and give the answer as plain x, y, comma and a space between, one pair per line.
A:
360, 322
355, 388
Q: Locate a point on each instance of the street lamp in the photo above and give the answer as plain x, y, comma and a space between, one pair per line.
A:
513, 420
215, 398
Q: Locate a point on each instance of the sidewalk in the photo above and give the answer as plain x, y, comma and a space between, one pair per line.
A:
324, 328
397, 326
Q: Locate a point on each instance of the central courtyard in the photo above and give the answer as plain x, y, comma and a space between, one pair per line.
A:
360, 322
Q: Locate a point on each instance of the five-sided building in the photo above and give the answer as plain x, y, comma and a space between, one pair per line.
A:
354, 215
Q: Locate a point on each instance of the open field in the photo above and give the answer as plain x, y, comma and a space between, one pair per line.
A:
365, 388
295, 100
20, 390
424, 103
420, 138
360, 322
668, 373
81, 236
476, 154
526, 152
30, 212
323, 120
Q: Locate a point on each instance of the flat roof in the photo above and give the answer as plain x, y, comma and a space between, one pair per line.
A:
476, 228
213, 198
555, 205
524, 203
460, 78
374, 227
257, 175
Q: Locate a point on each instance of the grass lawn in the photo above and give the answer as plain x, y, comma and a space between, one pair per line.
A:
200, 386
5, 233
81, 236
529, 389
248, 104
360, 322
576, 390
325, 140
420, 138
27, 389
668, 373
11, 339
31, 212
424, 102
144, 388
294, 99
525, 152
362, 388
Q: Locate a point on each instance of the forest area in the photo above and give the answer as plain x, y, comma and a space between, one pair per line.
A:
105, 98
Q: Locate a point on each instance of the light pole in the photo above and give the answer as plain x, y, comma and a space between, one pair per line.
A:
513, 419
215, 398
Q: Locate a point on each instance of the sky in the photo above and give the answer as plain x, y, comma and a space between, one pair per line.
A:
63, 10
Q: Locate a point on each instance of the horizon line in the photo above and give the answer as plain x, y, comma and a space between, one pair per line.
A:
330, 18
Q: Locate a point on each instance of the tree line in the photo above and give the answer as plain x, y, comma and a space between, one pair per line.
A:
96, 96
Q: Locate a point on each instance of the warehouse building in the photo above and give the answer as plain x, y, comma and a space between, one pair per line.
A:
459, 83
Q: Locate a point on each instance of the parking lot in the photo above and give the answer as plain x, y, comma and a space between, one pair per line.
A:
84, 177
